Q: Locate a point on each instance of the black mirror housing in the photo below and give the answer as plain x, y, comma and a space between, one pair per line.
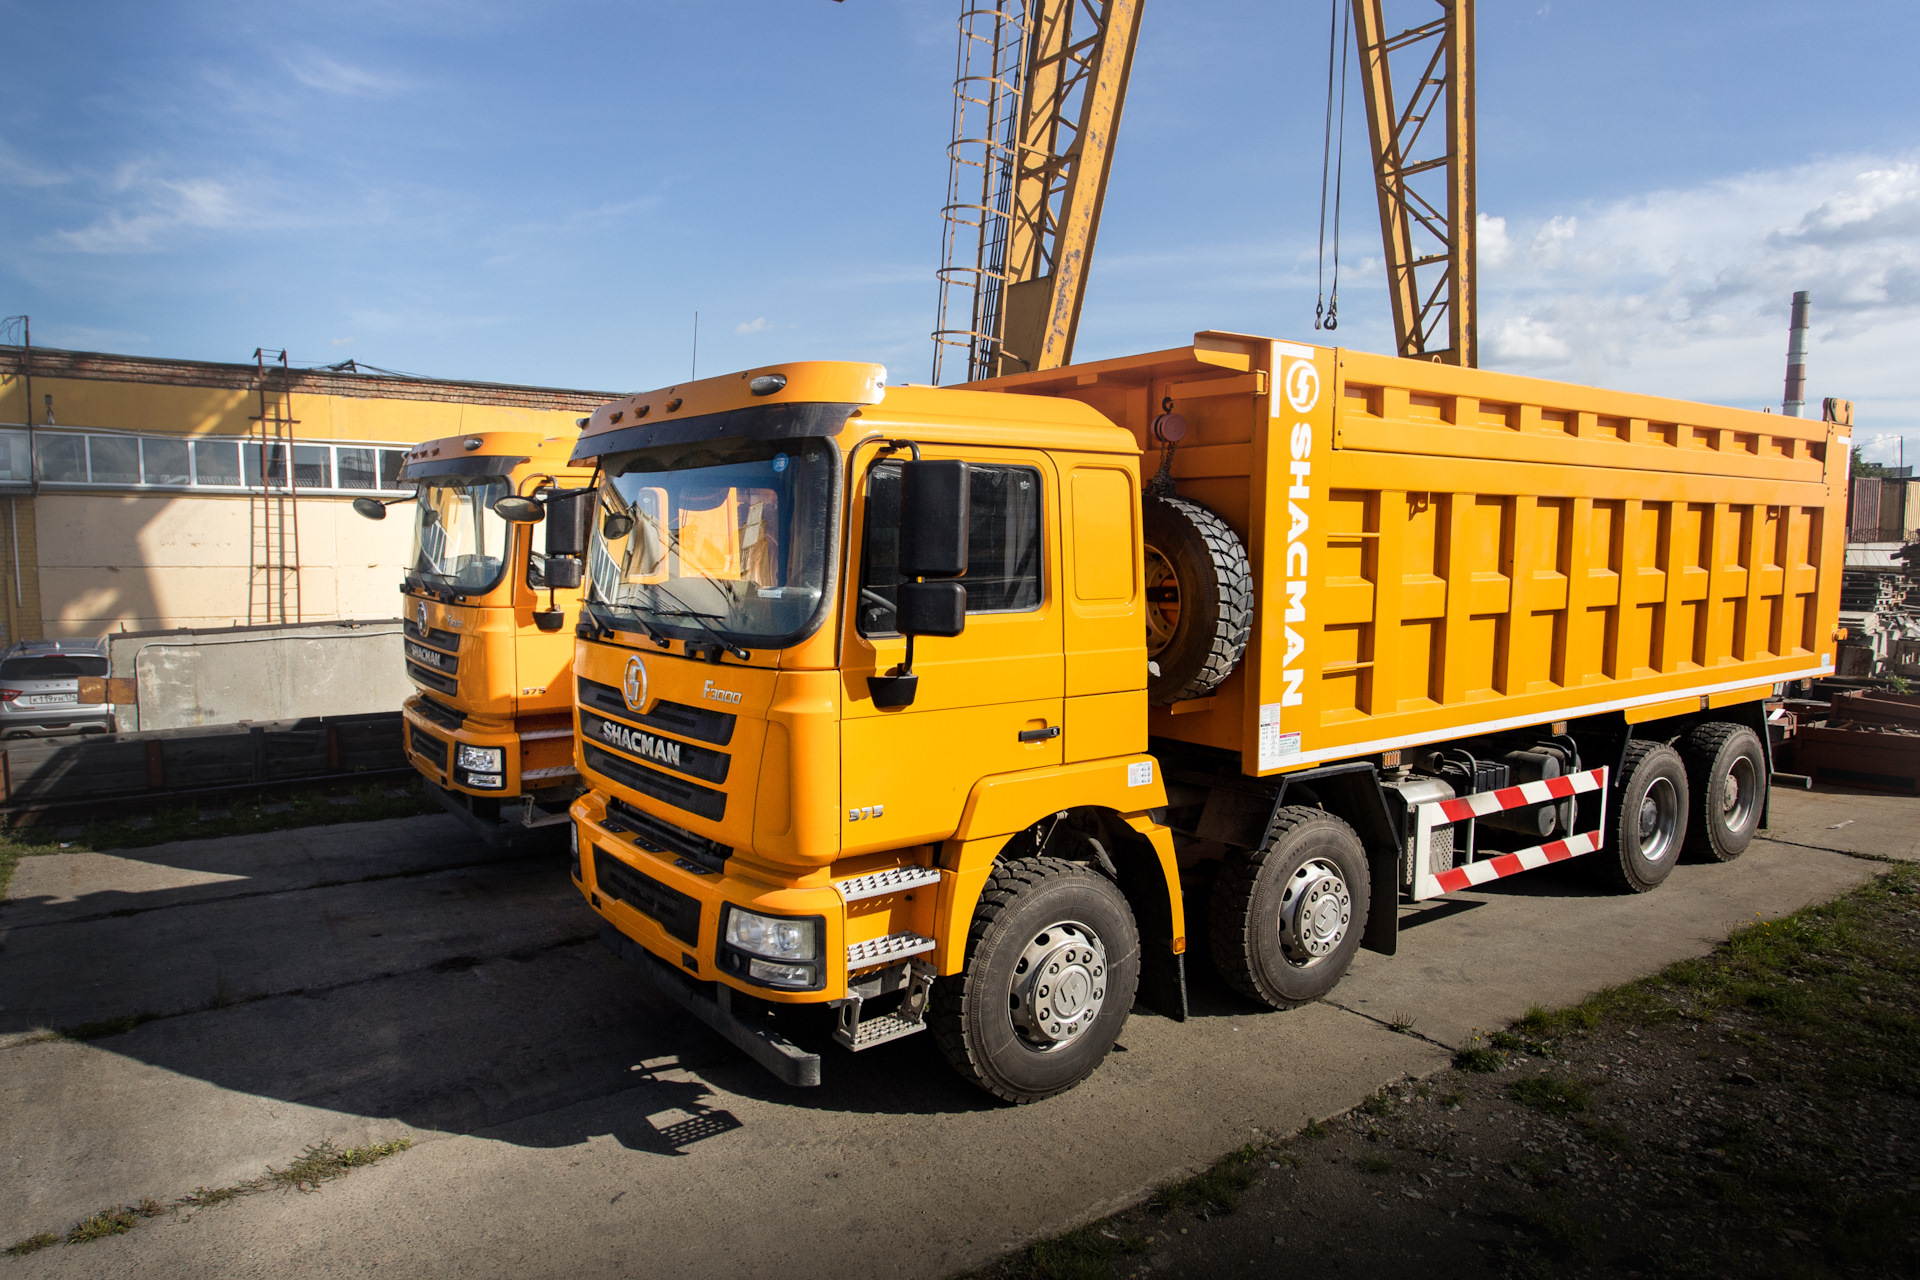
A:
520, 510
932, 608
371, 508
562, 574
569, 521
614, 526
933, 521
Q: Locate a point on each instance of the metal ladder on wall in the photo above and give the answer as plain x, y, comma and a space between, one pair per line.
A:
273, 570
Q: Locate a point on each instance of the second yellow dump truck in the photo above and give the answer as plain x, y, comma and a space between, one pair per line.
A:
488, 619
936, 708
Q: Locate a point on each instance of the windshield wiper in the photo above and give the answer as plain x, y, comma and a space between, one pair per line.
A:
653, 633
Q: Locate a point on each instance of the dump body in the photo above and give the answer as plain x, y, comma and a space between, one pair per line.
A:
490, 678
1440, 552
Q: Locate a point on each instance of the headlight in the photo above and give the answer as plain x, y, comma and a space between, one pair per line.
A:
773, 936
780, 975
485, 780
480, 759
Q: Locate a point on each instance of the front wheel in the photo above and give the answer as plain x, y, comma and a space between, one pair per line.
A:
1053, 959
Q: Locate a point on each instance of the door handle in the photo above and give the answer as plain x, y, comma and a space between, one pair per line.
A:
1039, 735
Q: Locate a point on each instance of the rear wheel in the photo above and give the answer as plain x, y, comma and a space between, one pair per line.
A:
1287, 918
1727, 774
1649, 820
1053, 959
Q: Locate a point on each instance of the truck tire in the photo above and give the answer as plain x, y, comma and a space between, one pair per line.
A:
1199, 599
1286, 918
1727, 774
1647, 824
1053, 959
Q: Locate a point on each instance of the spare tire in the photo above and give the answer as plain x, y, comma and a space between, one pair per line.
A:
1199, 599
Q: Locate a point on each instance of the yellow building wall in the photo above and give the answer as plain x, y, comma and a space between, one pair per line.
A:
94, 561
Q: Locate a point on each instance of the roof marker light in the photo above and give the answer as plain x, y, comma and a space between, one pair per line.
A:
767, 383
471, 443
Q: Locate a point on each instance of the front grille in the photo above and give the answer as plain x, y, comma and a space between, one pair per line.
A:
432, 659
425, 744
448, 640
445, 717
682, 757
704, 801
431, 679
660, 836
677, 913
697, 723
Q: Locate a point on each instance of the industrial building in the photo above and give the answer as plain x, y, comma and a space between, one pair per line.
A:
145, 494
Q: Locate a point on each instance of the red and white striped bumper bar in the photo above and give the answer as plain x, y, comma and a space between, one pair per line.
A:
1440, 813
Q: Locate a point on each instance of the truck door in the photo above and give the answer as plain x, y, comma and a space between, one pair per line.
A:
989, 700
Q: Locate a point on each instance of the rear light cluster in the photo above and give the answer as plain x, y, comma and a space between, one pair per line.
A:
8, 695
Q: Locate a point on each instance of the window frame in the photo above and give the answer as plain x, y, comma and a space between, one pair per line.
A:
1042, 584
16, 435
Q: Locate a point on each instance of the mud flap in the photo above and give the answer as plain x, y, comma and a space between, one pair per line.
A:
1163, 981
775, 1052
1383, 900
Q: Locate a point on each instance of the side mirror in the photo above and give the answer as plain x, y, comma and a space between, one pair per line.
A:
932, 608
371, 508
520, 510
933, 520
562, 573
614, 526
569, 521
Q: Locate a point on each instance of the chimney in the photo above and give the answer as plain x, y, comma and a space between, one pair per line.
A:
1797, 357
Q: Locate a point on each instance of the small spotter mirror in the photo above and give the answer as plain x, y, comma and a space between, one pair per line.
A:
371, 508
614, 526
520, 510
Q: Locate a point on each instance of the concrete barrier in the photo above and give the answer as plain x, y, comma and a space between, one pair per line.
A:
224, 675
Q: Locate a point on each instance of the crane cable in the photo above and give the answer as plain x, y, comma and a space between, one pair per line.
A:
1326, 310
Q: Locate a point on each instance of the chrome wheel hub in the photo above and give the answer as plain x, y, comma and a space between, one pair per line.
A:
1059, 984
1315, 910
1739, 801
1659, 818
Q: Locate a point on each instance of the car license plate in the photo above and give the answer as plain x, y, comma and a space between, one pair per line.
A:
52, 699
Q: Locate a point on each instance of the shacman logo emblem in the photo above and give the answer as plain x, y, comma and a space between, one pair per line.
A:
633, 685
1303, 386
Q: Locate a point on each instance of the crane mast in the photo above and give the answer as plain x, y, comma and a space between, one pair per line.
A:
1423, 163
1037, 97
1038, 91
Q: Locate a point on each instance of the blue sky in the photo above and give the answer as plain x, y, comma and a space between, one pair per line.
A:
546, 192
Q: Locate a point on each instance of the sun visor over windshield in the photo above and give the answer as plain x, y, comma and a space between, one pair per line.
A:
467, 465
755, 422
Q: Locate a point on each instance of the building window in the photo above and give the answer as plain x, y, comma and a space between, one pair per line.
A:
312, 466
216, 462
358, 469
164, 461
63, 458
116, 459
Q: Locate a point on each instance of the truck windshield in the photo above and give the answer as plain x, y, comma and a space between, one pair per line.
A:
458, 540
721, 537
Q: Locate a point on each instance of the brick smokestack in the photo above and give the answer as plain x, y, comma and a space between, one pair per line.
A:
1796, 400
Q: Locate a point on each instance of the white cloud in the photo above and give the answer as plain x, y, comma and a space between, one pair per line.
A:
751, 326
1686, 291
340, 342
1493, 246
157, 205
317, 71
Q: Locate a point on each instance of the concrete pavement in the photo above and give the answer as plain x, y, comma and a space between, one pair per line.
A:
571, 1123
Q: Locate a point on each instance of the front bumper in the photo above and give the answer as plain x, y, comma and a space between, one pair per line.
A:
530, 762
671, 905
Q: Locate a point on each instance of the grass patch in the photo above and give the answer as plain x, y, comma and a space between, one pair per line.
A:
107, 1026
1086, 1254
1547, 1092
1219, 1188
1314, 1131
1373, 1162
112, 1221
325, 1160
1377, 1103
1477, 1057
314, 807
33, 1244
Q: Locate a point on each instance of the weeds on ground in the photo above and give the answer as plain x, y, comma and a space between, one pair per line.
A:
1219, 1188
1478, 1057
1551, 1093
104, 1027
320, 1162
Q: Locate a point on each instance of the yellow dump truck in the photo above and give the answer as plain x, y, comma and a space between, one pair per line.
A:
971, 708
488, 640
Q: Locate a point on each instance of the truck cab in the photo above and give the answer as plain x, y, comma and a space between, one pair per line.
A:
488, 607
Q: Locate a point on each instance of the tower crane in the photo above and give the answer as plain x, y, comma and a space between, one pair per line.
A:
1038, 90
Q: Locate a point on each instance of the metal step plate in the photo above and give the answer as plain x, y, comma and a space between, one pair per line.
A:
895, 946
873, 1031
878, 883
